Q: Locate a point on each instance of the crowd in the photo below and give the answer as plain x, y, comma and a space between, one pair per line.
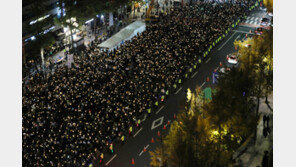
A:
73, 115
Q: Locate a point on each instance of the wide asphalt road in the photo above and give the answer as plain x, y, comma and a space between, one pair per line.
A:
141, 138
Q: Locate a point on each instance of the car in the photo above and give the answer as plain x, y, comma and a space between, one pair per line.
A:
247, 45
259, 31
224, 70
231, 60
265, 22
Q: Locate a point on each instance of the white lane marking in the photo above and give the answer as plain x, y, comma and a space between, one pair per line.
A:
194, 74
256, 18
111, 159
237, 37
203, 84
159, 110
217, 68
247, 21
144, 118
246, 32
252, 18
252, 22
178, 91
138, 132
208, 60
258, 22
248, 17
227, 41
142, 150
160, 120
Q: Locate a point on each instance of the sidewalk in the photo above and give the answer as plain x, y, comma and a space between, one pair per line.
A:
253, 156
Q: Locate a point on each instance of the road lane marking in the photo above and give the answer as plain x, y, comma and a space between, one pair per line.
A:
111, 159
208, 60
257, 22
252, 22
194, 74
160, 120
252, 18
138, 132
144, 118
247, 21
256, 18
178, 91
159, 110
142, 150
217, 68
202, 84
237, 37
246, 32
227, 41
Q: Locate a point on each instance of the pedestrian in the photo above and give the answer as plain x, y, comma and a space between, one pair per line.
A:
265, 159
264, 120
265, 131
267, 121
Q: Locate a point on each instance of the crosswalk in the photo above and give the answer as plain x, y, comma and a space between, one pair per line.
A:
253, 20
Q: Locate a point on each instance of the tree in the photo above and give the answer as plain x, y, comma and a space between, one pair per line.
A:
269, 5
158, 158
257, 62
193, 139
207, 133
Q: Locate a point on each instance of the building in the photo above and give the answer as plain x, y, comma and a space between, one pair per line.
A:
39, 12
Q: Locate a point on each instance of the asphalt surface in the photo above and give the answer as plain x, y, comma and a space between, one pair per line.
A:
133, 148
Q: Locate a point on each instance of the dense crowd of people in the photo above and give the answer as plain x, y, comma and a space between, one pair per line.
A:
73, 115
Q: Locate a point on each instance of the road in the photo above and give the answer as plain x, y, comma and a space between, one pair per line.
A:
134, 145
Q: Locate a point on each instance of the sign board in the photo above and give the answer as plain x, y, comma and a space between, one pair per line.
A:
208, 93
215, 76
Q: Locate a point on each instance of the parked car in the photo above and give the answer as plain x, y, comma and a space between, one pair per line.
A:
232, 60
259, 31
265, 22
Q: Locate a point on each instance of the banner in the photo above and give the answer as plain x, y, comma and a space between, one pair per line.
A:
70, 60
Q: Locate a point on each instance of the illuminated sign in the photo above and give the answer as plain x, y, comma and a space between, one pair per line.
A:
88, 21
39, 19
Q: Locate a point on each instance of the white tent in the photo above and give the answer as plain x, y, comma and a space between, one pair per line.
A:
125, 34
